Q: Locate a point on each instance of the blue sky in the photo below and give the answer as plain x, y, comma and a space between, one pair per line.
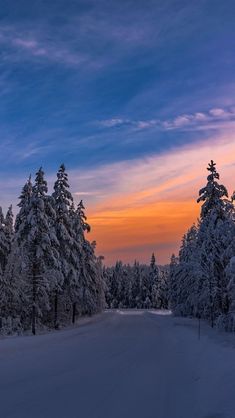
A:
98, 84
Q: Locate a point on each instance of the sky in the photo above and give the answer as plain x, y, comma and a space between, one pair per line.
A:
135, 98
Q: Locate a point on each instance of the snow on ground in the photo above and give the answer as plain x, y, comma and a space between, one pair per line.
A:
120, 366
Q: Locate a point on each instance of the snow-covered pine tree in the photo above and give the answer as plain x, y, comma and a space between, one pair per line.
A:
164, 289
185, 273
9, 227
212, 195
123, 288
37, 245
173, 283
73, 280
215, 224
107, 274
114, 284
94, 290
154, 283
229, 320
63, 201
136, 286
24, 203
145, 288
86, 290
92, 270
13, 299
6, 235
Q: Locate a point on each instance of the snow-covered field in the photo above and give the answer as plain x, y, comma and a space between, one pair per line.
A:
120, 365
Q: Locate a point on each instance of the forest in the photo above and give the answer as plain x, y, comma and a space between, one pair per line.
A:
50, 274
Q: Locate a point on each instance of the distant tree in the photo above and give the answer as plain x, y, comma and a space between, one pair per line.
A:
173, 283
154, 283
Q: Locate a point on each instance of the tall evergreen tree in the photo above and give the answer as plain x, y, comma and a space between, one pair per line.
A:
40, 256
199, 282
63, 201
13, 300
215, 222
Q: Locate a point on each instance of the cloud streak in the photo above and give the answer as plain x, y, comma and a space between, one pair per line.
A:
214, 118
25, 44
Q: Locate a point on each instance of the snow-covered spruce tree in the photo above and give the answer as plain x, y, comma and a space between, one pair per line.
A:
215, 235
79, 284
37, 247
154, 277
6, 237
174, 287
93, 291
145, 288
229, 320
186, 274
9, 227
13, 299
135, 301
114, 274
123, 286
90, 267
83, 282
107, 274
63, 201
164, 289
73, 280
24, 203
4, 251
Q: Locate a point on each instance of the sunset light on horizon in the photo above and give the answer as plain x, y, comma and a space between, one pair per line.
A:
154, 218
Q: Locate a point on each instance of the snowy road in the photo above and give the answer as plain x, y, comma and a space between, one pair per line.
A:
121, 365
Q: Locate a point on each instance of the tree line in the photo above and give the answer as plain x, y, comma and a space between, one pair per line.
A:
202, 277
49, 272
139, 286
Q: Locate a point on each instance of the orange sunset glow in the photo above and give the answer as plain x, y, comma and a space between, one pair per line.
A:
154, 200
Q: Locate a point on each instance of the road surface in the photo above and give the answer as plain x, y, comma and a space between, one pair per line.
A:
124, 364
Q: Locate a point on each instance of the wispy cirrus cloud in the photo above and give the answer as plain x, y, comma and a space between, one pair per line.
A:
93, 38
110, 123
24, 44
95, 35
209, 120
